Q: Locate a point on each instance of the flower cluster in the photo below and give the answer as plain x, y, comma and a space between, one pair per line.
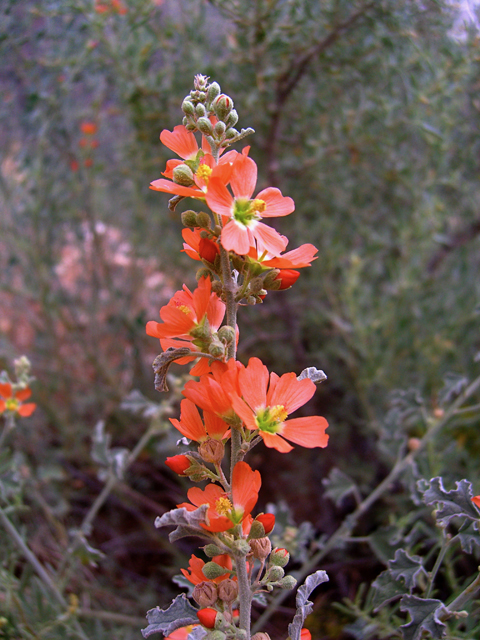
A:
230, 406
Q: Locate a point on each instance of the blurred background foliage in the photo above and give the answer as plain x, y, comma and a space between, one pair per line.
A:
366, 113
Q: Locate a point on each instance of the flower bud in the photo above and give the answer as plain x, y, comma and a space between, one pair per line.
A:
191, 126
279, 557
200, 82
219, 128
268, 521
182, 174
205, 593
287, 278
212, 550
200, 110
257, 530
212, 92
217, 287
212, 570
261, 548
207, 617
232, 118
188, 107
178, 464
216, 634
226, 334
212, 450
203, 220
189, 218
261, 636
288, 582
208, 250
205, 126
216, 349
228, 590
270, 278
222, 105
231, 133
275, 573
256, 284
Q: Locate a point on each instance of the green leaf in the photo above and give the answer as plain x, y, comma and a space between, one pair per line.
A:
179, 614
304, 606
115, 460
469, 536
454, 503
387, 589
339, 486
406, 568
425, 617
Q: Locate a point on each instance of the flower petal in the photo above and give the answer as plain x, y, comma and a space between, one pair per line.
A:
307, 432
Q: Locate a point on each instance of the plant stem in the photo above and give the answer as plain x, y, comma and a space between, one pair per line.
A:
466, 595
437, 565
244, 594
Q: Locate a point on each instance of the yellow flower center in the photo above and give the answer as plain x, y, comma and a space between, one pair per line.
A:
258, 205
223, 506
270, 419
12, 404
184, 309
204, 172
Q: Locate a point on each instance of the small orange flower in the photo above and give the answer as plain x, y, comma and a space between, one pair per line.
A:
476, 501
182, 633
224, 513
193, 427
12, 403
264, 402
88, 128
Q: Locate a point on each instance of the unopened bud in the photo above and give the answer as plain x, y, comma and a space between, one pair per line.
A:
219, 128
179, 464
222, 105
212, 450
251, 300
207, 617
208, 249
203, 220
257, 530
279, 557
200, 82
256, 284
216, 634
261, 636
288, 582
189, 218
205, 126
270, 278
216, 349
188, 107
202, 331
200, 110
231, 133
261, 548
212, 92
232, 118
228, 590
275, 574
212, 570
242, 546
226, 334
205, 593
212, 550
183, 175
414, 444
217, 287
268, 521
203, 272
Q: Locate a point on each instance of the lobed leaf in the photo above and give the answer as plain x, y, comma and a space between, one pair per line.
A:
406, 567
339, 486
179, 614
187, 522
387, 589
454, 503
304, 606
425, 614
314, 374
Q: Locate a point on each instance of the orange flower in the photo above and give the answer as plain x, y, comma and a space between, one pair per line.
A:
199, 161
209, 393
242, 215
11, 402
476, 501
227, 511
302, 256
179, 464
189, 319
264, 405
193, 427
182, 633
195, 574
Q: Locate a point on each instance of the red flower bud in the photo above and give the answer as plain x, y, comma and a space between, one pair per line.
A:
268, 521
287, 278
305, 634
208, 250
179, 464
476, 501
207, 617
